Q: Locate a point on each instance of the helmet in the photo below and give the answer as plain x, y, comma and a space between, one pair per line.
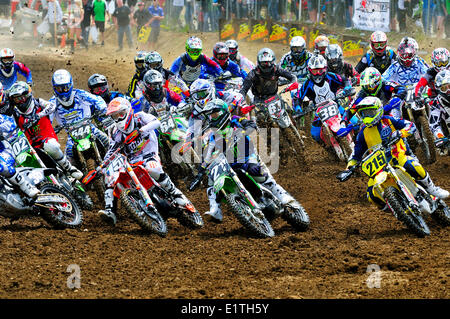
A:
378, 42
321, 43
98, 85
6, 59
333, 54
63, 87
218, 114
122, 113
298, 46
439, 59
371, 81
154, 61
194, 47
202, 92
442, 83
153, 85
370, 110
266, 60
221, 53
21, 97
317, 68
233, 46
407, 50
139, 60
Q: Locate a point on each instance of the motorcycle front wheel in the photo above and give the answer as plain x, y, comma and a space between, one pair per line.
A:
245, 215
148, 218
428, 149
413, 220
297, 217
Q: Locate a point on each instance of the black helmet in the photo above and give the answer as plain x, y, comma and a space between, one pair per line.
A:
139, 60
154, 61
98, 85
218, 114
5, 107
21, 97
153, 86
266, 60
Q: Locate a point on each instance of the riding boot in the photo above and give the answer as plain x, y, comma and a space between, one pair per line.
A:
432, 189
24, 185
69, 168
278, 191
107, 214
170, 187
214, 208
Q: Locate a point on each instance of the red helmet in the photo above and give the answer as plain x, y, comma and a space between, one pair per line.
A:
321, 43
378, 42
406, 52
221, 52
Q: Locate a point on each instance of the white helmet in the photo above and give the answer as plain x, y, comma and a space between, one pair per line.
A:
122, 113
201, 91
298, 46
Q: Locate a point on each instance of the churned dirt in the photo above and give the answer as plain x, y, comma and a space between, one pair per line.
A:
330, 260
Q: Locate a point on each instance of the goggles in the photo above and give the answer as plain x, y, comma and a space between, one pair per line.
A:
153, 65
368, 113
139, 65
200, 95
440, 64
8, 60
297, 50
317, 71
19, 99
194, 52
99, 89
154, 86
445, 88
379, 45
62, 88
118, 116
222, 56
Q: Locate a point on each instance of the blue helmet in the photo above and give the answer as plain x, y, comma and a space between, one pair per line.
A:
63, 87
202, 92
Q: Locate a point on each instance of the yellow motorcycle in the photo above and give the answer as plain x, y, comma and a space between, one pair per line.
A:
408, 201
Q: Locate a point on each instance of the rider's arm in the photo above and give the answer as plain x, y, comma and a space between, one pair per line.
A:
247, 84
407, 128
246, 64
178, 82
25, 71
47, 108
436, 115
211, 66
286, 74
132, 85
149, 122
360, 148
176, 66
362, 64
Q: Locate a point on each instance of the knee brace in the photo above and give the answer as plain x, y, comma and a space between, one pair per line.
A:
53, 148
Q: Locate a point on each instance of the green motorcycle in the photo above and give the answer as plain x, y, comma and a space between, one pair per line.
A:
27, 156
88, 152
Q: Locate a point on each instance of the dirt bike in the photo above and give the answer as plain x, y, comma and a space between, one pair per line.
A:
88, 152
330, 117
143, 198
27, 156
406, 199
54, 204
228, 187
274, 113
423, 137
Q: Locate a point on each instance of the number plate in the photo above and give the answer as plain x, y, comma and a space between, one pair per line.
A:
219, 168
20, 145
116, 164
374, 163
274, 108
167, 124
81, 132
327, 111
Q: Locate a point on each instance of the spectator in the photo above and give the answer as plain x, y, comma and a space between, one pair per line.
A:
75, 14
5, 8
122, 18
312, 11
177, 6
155, 22
54, 14
427, 15
141, 16
401, 15
188, 13
439, 12
447, 18
86, 20
99, 9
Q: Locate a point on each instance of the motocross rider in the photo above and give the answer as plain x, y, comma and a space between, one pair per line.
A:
9, 69
440, 109
188, 65
32, 117
263, 80
320, 44
380, 128
226, 127
296, 61
144, 148
244, 63
74, 105
409, 68
379, 56
98, 85
333, 55
154, 61
440, 61
138, 75
321, 86
157, 99
7, 160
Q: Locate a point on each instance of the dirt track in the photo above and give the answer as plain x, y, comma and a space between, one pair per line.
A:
221, 260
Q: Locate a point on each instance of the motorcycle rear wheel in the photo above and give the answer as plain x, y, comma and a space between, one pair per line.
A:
442, 214
245, 215
428, 149
192, 220
59, 219
152, 221
99, 186
416, 223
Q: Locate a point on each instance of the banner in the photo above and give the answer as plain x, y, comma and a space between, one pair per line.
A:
371, 15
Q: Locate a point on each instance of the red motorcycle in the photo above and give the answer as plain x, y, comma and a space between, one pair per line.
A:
143, 198
330, 117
